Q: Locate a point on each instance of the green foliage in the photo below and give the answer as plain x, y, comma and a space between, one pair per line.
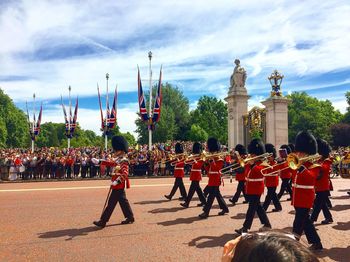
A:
211, 116
13, 127
256, 134
309, 113
197, 134
341, 134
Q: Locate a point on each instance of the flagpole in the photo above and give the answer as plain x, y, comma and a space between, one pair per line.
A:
106, 127
70, 116
33, 128
150, 101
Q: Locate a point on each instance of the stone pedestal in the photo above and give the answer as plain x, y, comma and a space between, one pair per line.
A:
276, 120
237, 106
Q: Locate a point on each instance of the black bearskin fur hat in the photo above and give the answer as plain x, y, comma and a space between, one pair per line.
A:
120, 143
256, 147
323, 147
270, 148
292, 147
241, 149
213, 145
196, 148
179, 148
306, 143
287, 147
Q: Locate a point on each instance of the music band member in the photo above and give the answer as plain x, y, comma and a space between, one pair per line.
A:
240, 176
271, 181
304, 189
119, 182
179, 173
286, 175
254, 187
213, 167
323, 184
195, 177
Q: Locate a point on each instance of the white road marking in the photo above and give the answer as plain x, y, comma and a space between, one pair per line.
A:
77, 188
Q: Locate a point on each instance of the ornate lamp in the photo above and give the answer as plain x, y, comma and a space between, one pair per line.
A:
276, 80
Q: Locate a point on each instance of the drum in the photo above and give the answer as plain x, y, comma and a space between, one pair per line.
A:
345, 166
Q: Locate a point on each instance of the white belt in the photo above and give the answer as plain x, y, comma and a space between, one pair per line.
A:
303, 187
197, 170
271, 175
178, 168
214, 172
255, 179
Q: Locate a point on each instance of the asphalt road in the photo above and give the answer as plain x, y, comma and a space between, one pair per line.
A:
52, 221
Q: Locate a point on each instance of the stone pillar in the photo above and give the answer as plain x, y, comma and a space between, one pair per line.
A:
276, 120
237, 106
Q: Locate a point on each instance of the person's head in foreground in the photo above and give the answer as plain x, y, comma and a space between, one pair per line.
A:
269, 246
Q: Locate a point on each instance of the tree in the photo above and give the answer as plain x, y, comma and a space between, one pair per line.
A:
341, 134
197, 134
346, 118
211, 116
174, 119
309, 113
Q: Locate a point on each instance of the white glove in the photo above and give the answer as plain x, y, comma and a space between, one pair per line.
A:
95, 161
114, 183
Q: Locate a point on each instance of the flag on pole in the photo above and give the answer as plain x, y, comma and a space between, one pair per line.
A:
142, 103
99, 100
37, 125
73, 124
65, 117
30, 125
111, 121
158, 101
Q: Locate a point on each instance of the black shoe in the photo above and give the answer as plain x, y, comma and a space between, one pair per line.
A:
204, 215
182, 198
265, 227
129, 220
276, 209
201, 205
233, 202
99, 224
167, 197
185, 205
223, 212
245, 202
241, 230
327, 221
348, 193
316, 246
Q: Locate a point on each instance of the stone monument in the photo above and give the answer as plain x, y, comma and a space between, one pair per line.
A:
237, 105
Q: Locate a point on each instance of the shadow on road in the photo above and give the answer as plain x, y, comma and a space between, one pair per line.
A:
148, 202
340, 207
239, 216
336, 253
343, 190
167, 210
211, 241
341, 197
70, 233
188, 220
342, 226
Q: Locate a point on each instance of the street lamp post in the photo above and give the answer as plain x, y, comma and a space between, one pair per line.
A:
33, 127
150, 101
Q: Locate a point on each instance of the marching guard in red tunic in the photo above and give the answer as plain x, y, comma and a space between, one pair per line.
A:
179, 173
285, 174
254, 188
119, 182
323, 184
304, 189
241, 174
271, 181
195, 177
213, 169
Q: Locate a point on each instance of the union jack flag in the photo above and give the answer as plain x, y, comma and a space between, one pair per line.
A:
142, 103
112, 119
37, 124
158, 101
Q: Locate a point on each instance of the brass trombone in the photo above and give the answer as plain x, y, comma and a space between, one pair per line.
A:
243, 162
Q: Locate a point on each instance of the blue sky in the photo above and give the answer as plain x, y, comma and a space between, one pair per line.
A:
48, 45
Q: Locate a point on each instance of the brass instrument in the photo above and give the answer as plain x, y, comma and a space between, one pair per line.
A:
239, 162
244, 161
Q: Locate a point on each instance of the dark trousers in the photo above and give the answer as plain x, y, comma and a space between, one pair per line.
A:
255, 206
321, 204
178, 184
272, 196
239, 190
195, 187
214, 192
285, 186
117, 195
302, 223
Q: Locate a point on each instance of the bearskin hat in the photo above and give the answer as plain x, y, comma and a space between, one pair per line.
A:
270, 148
179, 148
323, 147
120, 143
292, 147
196, 148
287, 147
306, 143
256, 147
213, 145
240, 149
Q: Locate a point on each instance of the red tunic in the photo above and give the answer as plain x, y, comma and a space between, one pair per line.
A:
323, 184
214, 172
304, 186
241, 176
123, 172
271, 175
179, 169
285, 173
196, 171
254, 184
